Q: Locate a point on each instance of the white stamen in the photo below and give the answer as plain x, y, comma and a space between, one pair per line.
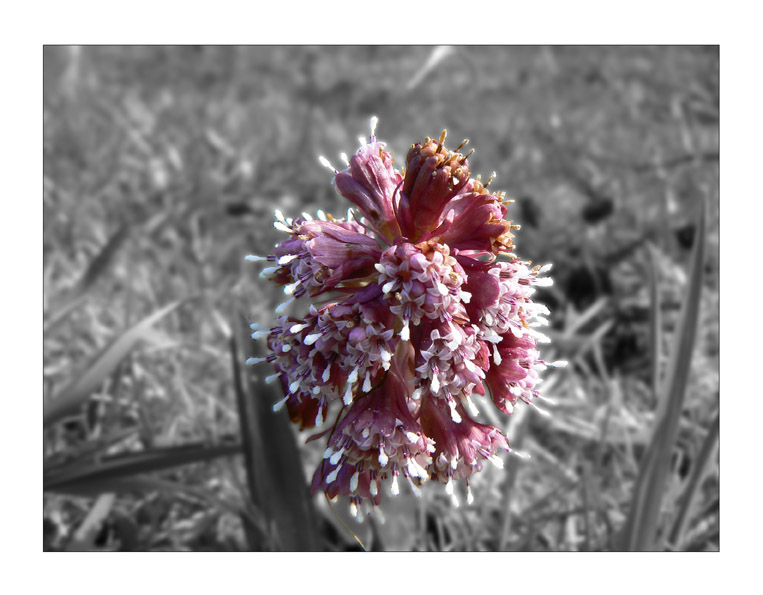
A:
307, 216
435, 386
354, 481
291, 287
282, 307
336, 456
374, 488
374, 122
367, 383
387, 287
496, 460
343, 157
472, 406
326, 163
496, 356
268, 272
521, 455
257, 335
545, 268
416, 394
321, 215
414, 488
278, 406
285, 348
254, 258
395, 488
315, 390
547, 400
347, 398
326, 373
286, 259
310, 339
327, 453
383, 458
361, 140
412, 437
558, 364
380, 267
272, 378
332, 476
279, 215
353, 377
252, 361
539, 410
453, 413
543, 282
405, 334
294, 386
469, 496
449, 487
353, 508
319, 418
298, 328
281, 227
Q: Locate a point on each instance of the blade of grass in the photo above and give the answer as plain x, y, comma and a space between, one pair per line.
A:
68, 401
84, 538
678, 533
640, 531
655, 322
68, 475
94, 271
275, 476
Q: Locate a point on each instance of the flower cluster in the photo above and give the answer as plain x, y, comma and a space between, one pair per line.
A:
416, 303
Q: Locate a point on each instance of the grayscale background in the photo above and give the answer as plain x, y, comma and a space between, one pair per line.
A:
162, 169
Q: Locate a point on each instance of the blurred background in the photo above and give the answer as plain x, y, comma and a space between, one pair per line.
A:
162, 168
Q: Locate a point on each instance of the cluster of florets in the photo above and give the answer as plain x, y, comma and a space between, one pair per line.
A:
424, 305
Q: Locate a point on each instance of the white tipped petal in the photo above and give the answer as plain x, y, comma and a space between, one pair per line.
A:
272, 378
252, 361
278, 406
254, 258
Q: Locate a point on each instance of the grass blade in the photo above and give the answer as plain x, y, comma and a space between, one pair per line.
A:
94, 271
695, 480
69, 475
640, 532
68, 401
276, 479
84, 537
655, 322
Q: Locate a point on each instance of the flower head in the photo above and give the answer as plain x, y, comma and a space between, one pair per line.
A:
415, 303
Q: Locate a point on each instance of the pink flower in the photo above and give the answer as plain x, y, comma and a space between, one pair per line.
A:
424, 305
